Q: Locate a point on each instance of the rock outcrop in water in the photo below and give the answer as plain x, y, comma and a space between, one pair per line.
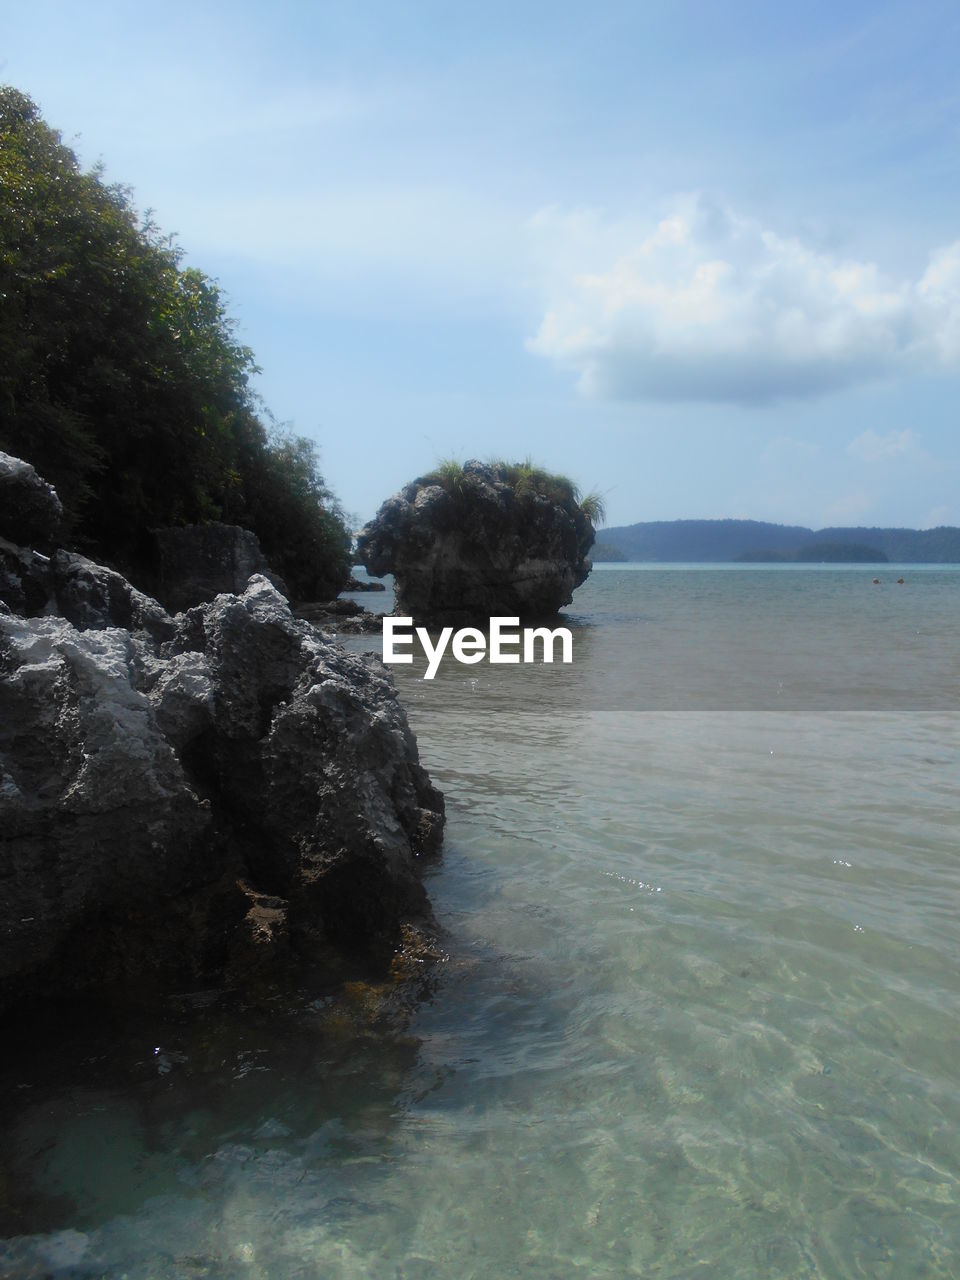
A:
469, 543
180, 793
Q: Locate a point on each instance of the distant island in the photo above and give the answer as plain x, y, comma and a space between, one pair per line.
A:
818, 553
756, 541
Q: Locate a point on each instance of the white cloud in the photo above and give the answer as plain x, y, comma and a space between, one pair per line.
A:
710, 306
871, 447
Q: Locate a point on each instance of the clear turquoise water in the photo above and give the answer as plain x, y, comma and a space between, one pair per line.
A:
700, 1012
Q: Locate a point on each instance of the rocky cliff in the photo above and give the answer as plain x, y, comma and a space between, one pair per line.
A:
183, 793
199, 561
479, 544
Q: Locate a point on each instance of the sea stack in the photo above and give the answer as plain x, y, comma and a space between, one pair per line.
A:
465, 544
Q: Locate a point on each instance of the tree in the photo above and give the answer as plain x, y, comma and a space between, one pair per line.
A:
123, 382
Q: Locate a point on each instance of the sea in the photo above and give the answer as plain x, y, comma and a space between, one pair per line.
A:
697, 1013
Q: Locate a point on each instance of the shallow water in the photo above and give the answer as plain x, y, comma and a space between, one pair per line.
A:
699, 1015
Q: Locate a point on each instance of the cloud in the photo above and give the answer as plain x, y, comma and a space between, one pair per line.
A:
871, 447
710, 306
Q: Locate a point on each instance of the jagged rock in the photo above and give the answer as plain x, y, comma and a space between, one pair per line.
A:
194, 563
478, 548
183, 793
359, 584
91, 596
97, 816
314, 760
340, 617
69, 585
30, 511
338, 607
199, 561
25, 578
158, 785
325, 610
362, 624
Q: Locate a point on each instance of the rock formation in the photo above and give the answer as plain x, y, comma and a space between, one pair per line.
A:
479, 546
357, 584
199, 561
182, 793
340, 617
30, 511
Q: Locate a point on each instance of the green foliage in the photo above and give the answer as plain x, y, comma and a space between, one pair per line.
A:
121, 377
448, 473
299, 522
524, 478
594, 508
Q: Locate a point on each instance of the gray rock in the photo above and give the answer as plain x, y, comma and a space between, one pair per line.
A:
340, 618
89, 595
97, 815
183, 696
159, 785
315, 760
93, 597
199, 561
478, 549
30, 511
26, 582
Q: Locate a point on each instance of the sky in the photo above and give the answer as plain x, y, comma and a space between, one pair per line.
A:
704, 258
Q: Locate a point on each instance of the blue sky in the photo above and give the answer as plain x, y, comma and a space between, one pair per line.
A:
703, 257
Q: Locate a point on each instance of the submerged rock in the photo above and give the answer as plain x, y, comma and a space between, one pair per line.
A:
480, 544
180, 793
359, 584
340, 617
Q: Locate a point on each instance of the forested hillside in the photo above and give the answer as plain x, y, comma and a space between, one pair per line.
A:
729, 540
122, 379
